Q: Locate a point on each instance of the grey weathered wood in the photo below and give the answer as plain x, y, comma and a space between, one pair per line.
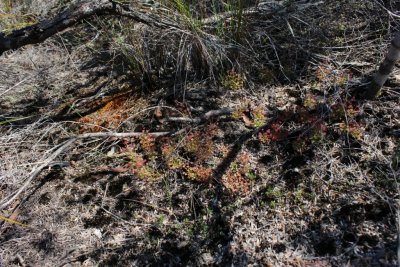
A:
385, 68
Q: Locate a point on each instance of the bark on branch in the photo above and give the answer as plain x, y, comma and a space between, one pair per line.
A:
385, 68
41, 31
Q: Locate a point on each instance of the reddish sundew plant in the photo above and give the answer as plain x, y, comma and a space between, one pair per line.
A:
330, 75
275, 132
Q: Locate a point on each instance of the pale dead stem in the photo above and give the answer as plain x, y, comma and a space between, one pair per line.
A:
35, 172
59, 149
262, 8
208, 115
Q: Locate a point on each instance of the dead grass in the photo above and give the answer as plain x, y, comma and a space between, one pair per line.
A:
300, 174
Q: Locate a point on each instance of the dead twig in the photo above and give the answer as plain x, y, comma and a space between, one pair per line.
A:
66, 144
210, 114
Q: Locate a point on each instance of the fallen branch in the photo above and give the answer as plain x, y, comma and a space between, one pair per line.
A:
66, 145
63, 147
39, 32
210, 114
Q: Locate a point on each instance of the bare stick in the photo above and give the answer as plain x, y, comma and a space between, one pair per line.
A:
208, 115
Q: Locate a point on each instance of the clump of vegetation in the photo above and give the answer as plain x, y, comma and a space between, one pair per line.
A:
233, 81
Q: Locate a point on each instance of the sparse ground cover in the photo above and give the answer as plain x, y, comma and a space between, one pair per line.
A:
248, 145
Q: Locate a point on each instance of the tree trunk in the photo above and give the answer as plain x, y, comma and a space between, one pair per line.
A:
41, 31
385, 68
